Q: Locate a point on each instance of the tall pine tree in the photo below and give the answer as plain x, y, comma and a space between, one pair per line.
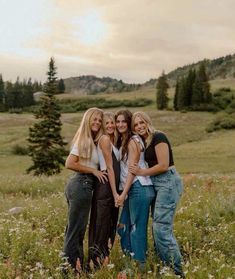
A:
61, 86
46, 145
2, 94
162, 87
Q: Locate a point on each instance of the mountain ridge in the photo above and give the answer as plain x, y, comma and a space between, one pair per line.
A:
218, 68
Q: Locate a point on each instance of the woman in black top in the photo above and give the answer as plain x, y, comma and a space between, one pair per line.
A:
168, 187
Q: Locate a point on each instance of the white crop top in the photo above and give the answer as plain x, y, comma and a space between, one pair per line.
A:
92, 162
101, 156
144, 180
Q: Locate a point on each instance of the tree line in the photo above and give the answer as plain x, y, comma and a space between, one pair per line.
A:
20, 94
192, 91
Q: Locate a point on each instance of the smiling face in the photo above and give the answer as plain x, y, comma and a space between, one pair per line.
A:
109, 126
121, 124
140, 127
95, 122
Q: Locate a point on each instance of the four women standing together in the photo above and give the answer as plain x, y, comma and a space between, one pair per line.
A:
121, 161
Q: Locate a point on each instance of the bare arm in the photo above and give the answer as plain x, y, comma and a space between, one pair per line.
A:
133, 159
162, 153
72, 163
106, 147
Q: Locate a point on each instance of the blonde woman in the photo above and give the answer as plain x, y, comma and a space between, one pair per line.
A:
104, 214
83, 159
168, 188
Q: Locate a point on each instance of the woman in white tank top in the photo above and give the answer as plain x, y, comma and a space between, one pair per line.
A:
104, 214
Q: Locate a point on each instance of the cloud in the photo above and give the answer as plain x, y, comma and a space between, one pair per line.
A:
141, 38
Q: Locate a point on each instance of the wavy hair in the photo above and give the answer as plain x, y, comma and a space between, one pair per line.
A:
123, 140
106, 116
84, 138
150, 128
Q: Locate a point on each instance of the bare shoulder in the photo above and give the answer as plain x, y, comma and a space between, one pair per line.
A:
104, 139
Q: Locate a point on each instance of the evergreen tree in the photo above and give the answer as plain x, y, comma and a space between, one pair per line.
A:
28, 93
162, 87
206, 95
176, 96
181, 98
61, 86
197, 95
2, 94
46, 145
190, 79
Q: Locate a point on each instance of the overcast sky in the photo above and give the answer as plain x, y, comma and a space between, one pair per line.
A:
132, 40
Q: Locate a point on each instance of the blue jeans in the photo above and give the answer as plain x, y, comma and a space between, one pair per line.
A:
79, 195
133, 221
168, 187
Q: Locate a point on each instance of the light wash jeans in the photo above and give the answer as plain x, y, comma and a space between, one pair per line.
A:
133, 221
168, 187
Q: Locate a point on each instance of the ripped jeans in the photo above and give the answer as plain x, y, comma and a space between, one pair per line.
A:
133, 222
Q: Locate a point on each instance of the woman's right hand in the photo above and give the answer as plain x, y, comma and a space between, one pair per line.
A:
102, 176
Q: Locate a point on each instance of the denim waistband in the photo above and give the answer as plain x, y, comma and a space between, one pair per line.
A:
171, 171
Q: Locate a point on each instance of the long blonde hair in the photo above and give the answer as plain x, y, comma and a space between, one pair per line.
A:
84, 139
110, 115
150, 128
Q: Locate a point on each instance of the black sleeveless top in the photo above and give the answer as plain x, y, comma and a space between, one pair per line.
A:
150, 154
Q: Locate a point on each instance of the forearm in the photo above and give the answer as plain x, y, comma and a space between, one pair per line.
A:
155, 170
111, 177
127, 186
76, 166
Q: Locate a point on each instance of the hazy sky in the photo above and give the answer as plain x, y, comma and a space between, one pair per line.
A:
133, 40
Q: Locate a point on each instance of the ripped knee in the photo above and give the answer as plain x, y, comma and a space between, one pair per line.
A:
120, 226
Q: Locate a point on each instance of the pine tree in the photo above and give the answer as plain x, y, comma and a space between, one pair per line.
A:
190, 79
162, 87
206, 95
60, 86
197, 95
46, 145
181, 98
176, 96
2, 94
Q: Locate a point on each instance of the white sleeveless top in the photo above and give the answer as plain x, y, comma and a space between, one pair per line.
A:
144, 180
92, 162
101, 156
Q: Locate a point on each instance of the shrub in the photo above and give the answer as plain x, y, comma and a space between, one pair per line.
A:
222, 122
20, 150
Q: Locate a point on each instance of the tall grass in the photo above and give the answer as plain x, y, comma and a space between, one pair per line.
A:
32, 234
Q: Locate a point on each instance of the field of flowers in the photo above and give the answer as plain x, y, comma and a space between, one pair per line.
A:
32, 231
33, 210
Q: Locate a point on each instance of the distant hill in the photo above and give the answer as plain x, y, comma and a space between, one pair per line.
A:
219, 68
88, 85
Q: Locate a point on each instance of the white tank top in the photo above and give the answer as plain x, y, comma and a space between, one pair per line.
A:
102, 162
92, 162
144, 180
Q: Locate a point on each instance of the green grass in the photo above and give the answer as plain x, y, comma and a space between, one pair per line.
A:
32, 240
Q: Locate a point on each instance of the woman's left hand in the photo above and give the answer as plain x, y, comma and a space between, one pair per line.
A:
120, 200
135, 169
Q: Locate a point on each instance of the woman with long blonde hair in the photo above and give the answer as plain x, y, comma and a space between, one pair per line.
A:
168, 188
83, 159
104, 214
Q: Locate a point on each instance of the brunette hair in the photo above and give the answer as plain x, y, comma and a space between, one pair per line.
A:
123, 140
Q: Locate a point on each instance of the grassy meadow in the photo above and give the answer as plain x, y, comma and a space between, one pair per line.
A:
32, 234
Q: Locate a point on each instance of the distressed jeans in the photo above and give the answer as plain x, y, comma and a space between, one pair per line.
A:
133, 221
168, 187
79, 195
